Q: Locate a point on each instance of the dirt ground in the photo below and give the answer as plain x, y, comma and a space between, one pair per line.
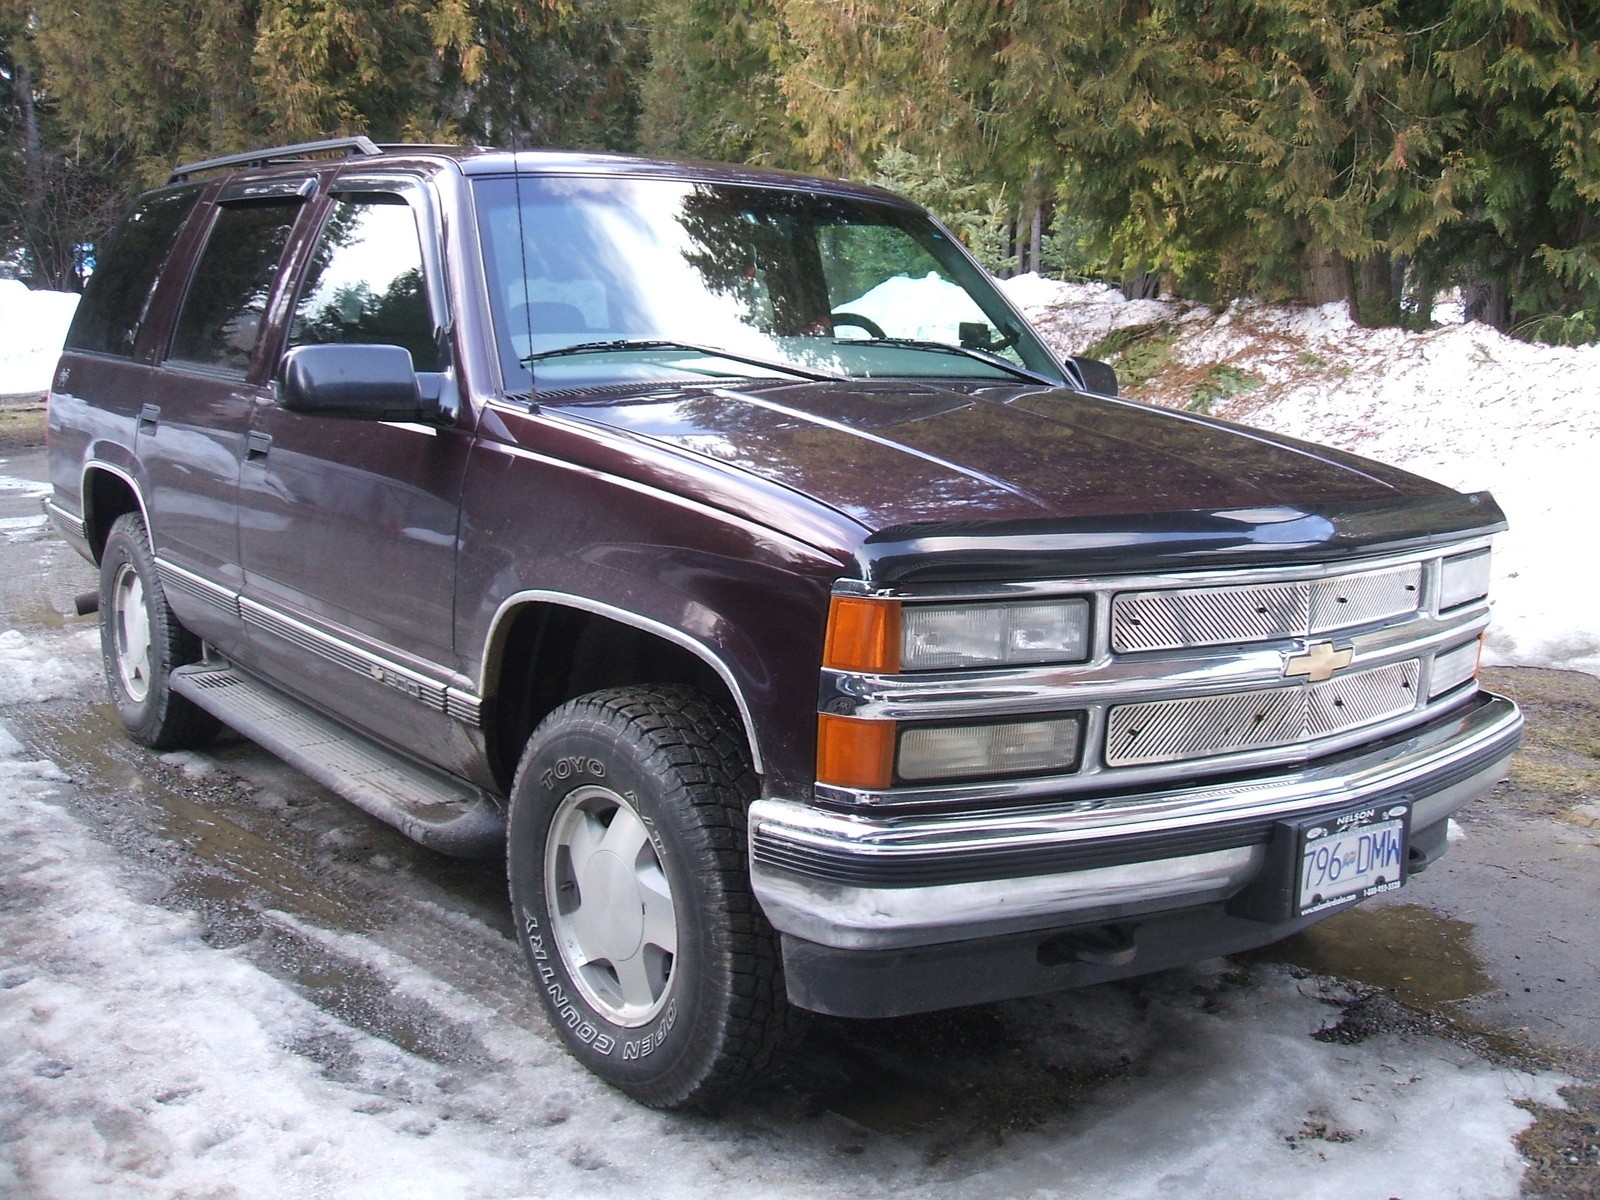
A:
21, 423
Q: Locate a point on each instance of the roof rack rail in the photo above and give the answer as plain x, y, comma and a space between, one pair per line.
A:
259, 158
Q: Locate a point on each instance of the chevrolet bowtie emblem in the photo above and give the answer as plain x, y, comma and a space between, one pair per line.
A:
1319, 662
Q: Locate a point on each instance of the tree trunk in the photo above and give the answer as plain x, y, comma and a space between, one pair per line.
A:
1377, 303
1327, 278
1036, 239
1141, 285
33, 181
1486, 300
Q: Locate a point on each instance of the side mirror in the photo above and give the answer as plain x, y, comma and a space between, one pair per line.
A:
357, 382
1098, 377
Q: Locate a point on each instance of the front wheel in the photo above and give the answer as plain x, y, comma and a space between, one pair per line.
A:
632, 899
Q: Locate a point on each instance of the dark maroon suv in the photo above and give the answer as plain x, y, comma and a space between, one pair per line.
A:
721, 548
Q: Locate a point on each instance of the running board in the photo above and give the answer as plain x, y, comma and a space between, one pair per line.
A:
443, 813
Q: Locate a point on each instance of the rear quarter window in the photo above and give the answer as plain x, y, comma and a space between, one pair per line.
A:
127, 269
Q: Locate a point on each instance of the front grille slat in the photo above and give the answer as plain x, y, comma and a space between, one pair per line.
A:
1360, 599
1361, 699
1162, 731
1177, 619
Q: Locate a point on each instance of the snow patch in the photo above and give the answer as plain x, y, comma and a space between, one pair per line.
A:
22, 529
29, 489
194, 766
48, 666
1074, 316
35, 324
940, 306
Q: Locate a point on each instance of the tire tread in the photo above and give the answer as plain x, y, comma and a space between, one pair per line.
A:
689, 740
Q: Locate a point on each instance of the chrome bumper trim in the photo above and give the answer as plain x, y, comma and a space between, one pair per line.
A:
70, 525
803, 858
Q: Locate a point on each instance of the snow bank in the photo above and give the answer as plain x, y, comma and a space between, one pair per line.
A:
1461, 404
32, 327
1074, 316
940, 307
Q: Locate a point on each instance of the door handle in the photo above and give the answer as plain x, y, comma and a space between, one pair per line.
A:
256, 446
149, 418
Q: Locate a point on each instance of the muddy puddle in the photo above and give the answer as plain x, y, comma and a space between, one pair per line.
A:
262, 863
1420, 958
89, 745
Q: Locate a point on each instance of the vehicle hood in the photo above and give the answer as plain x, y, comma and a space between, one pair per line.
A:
892, 454
907, 459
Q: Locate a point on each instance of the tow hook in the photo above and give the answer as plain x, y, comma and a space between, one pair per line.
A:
1102, 946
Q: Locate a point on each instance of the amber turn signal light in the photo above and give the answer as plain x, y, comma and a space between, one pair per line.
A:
863, 635
854, 753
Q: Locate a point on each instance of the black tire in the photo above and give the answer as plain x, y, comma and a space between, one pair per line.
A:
702, 1019
137, 679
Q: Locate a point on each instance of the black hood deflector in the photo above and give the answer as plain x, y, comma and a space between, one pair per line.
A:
1061, 548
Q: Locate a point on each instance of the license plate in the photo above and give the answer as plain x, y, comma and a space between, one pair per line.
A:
1351, 856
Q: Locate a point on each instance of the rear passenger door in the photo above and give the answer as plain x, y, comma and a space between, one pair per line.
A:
348, 527
193, 424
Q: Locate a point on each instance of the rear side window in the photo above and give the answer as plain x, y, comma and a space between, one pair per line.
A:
127, 269
227, 302
365, 281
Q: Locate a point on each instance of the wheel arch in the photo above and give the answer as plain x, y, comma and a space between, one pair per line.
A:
109, 491
545, 648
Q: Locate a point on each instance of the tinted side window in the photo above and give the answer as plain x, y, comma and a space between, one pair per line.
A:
365, 281
227, 301
126, 270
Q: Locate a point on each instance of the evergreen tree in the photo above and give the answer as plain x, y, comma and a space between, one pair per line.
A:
711, 88
541, 72
1524, 83
1275, 147
58, 189
158, 79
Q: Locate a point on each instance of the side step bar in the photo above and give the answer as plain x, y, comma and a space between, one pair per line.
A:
443, 813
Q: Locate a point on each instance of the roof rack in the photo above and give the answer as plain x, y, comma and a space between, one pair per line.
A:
352, 146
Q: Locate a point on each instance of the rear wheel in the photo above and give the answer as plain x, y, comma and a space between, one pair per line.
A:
632, 899
141, 642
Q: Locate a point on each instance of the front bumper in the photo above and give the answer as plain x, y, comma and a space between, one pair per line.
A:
862, 883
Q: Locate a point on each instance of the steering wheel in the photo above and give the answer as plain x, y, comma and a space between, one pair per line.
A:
849, 318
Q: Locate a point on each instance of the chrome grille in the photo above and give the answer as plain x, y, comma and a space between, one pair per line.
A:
1361, 698
1180, 618
1163, 731
1372, 596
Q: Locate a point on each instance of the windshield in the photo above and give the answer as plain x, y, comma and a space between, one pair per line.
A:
612, 280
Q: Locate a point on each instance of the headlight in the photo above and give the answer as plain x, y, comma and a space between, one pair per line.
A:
884, 636
1010, 633
979, 751
1463, 578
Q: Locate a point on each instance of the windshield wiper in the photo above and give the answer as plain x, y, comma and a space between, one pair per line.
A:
669, 344
983, 356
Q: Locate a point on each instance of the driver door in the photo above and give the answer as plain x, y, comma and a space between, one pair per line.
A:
348, 528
